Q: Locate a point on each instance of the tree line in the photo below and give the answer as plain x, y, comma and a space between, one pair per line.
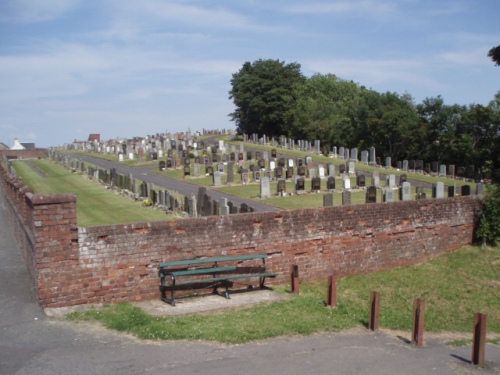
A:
274, 98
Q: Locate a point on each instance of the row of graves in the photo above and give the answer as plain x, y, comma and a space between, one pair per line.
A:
368, 157
168, 200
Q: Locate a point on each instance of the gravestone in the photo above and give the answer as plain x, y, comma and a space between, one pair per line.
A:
479, 189
346, 183
209, 170
256, 176
262, 164
265, 188
330, 183
452, 191
230, 173
217, 178
364, 157
196, 170
438, 190
316, 184
388, 162
346, 198
373, 159
341, 152
379, 161
301, 171
451, 171
300, 184
279, 172
354, 154
321, 171
281, 187
391, 182
249, 155
273, 153
361, 181
187, 161
411, 165
272, 165
405, 165
244, 178
465, 190
388, 195
371, 194
220, 168
419, 165
223, 207
281, 162
402, 179
442, 170
328, 200
331, 170
427, 168
289, 172
162, 165
420, 194
187, 170
341, 168
405, 192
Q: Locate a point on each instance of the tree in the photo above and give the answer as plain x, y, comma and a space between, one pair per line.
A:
494, 53
489, 216
263, 93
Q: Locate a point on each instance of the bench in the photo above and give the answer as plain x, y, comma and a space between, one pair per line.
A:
209, 273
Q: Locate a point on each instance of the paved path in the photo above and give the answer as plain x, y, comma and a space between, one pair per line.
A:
184, 188
32, 344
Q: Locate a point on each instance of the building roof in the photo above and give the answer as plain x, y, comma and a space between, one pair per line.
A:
28, 146
3, 146
94, 137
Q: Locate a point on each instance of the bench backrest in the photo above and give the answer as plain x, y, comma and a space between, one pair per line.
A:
212, 260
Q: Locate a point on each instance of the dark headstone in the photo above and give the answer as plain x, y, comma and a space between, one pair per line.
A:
328, 200
289, 172
402, 178
346, 198
162, 165
262, 164
371, 194
187, 170
451, 191
341, 168
209, 170
466, 190
300, 184
301, 171
315, 184
273, 153
169, 163
279, 172
281, 187
330, 183
361, 180
281, 162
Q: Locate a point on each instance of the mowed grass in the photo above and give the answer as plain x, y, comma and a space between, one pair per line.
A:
454, 285
95, 205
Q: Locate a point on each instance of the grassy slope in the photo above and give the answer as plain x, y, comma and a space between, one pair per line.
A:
95, 205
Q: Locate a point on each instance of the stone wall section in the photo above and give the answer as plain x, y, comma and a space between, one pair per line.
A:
111, 263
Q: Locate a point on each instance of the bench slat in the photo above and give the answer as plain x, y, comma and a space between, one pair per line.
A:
212, 260
227, 277
197, 271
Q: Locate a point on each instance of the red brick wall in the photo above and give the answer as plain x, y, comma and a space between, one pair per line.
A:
25, 154
115, 263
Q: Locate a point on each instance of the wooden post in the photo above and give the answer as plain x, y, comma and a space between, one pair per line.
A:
374, 311
332, 292
295, 279
418, 322
479, 339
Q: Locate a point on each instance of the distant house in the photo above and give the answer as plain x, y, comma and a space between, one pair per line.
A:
94, 138
28, 146
3, 147
17, 145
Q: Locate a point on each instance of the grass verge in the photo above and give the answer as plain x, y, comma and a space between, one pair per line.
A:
455, 286
94, 204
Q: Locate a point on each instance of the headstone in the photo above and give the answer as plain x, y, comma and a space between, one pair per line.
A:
435, 167
209, 170
289, 172
262, 164
442, 170
321, 171
361, 181
230, 173
466, 190
451, 171
388, 195
273, 153
196, 170
405, 192
162, 165
354, 154
346, 183
388, 162
371, 194
315, 184
411, 165
265, 188
217, 178
364, 157
438, 190
328, 200
405, 165
281, 187
300, 184
420, 194
330, 183
281, 162
479, 189
373, 159
244, 178
341, 168
346, 198
452, 191
351, 166
402, 179
279, 172
301, 171
187, 170
331, 170
391, 182
256, 176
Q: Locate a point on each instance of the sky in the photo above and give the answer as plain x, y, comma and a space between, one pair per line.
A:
124, 68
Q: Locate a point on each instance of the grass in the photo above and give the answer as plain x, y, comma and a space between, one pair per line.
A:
454, 285
94, 204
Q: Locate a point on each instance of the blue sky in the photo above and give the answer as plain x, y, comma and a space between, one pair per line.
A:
123, 68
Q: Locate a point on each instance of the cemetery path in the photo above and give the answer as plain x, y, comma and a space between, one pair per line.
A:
184, 188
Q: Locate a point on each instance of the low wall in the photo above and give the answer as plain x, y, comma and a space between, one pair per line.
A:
25, 154
111, 263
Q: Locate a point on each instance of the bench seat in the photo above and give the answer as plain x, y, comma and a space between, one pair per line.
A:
172, 273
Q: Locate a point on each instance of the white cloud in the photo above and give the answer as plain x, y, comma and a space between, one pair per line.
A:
29, 11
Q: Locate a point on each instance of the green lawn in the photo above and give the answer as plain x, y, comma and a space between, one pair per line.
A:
454, 285
95, 205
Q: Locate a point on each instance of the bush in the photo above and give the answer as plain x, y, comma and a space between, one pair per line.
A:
489, 216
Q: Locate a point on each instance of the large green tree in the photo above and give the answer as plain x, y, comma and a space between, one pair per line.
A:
494, 53
263, 93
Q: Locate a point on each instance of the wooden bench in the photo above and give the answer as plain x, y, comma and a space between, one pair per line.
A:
209, 273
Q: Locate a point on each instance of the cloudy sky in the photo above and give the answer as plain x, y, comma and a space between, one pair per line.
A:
123, 68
